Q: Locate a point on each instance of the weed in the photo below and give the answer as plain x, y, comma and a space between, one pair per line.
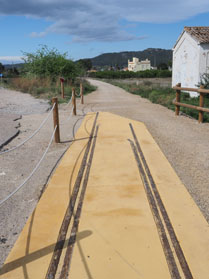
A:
164, 97
46, 89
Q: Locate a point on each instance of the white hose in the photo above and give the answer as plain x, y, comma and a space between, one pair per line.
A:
34, 170
42, 124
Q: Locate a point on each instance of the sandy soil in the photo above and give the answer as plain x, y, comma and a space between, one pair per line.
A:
183, 141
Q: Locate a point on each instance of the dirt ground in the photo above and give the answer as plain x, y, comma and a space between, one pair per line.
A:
183, 141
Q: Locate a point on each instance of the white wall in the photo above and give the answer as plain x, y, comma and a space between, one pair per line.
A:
204, 59
136, 65
186, 62
142, 67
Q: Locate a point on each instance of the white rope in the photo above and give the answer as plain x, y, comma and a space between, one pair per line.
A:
34, 170
69, 102
69, 114
42, 124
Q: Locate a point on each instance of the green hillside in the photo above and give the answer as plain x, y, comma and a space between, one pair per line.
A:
155, 55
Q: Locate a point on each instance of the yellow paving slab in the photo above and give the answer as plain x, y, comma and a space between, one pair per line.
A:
117, 235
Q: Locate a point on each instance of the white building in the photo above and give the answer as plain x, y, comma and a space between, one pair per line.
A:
137, 65
191, 56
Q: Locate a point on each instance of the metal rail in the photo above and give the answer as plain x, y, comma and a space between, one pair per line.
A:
51, 273
157, 206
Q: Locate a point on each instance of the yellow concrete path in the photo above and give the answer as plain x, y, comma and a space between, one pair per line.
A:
118, 237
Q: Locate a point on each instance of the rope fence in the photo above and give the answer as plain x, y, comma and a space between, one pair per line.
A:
55, 135
42, 124
32, 173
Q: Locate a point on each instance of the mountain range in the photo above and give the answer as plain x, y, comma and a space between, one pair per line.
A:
155, 55
120, 59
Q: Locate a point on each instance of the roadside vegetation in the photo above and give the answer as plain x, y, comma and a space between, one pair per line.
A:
41, 72
164, 97
46, 89
128, 74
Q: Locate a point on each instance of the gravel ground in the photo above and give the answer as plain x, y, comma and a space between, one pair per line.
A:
8, 127
20, 103
183, 141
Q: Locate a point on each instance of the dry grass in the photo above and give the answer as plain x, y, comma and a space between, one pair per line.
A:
28, 85
46, 89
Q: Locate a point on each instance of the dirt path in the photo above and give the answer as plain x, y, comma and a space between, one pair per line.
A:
183, 141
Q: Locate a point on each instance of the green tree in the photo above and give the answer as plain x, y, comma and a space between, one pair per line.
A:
85, 63
204, 80
12, 72
1, 68
162, 66
170, 63
50, 63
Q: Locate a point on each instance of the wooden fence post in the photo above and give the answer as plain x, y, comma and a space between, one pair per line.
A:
74, 101
62, 87
56, 120
201, 104
178, 99
81, 93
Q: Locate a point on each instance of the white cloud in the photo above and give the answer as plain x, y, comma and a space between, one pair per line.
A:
10, 59
91, 20
38, 35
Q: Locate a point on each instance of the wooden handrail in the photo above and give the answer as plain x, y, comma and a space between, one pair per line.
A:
190, 106
200, 108
198, 90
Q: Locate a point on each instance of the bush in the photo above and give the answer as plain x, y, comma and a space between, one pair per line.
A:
204, 80
164, 73
41, 72
127, 74
49, 63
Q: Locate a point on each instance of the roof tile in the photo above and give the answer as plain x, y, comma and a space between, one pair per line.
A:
200, 33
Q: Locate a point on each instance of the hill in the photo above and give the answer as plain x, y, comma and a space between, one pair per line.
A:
155, 55
10, 66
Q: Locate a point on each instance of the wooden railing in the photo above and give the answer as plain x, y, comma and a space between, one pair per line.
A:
200, 108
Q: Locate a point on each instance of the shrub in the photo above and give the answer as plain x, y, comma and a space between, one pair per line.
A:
127, 74
204, 80
49, 63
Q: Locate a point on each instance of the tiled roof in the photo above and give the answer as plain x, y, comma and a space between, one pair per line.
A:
201, 34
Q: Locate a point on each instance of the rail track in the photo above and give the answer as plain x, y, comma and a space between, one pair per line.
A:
84, 168
160, 215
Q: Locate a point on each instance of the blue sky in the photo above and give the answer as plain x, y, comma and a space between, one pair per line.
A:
87, 28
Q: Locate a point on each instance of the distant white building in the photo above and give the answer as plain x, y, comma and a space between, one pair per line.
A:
191, 56
137, 65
